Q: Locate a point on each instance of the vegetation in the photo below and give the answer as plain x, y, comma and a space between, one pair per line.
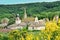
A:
42, 10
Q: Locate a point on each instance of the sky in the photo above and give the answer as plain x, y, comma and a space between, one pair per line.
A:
23, 1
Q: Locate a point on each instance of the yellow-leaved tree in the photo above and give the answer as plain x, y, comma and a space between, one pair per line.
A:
51, 26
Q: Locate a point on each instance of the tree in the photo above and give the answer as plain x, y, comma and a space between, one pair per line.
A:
5, 20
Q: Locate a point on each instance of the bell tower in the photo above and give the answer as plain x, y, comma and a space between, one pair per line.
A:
25, 14
18, 21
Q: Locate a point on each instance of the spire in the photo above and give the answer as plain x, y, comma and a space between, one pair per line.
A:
25, 14
36, 19
18, 21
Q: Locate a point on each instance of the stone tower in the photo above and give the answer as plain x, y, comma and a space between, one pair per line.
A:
18, 21
36, 19
25, 14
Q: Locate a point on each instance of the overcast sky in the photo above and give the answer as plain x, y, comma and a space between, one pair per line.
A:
23, 1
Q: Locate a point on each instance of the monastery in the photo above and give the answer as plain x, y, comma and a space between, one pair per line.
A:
33, 23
